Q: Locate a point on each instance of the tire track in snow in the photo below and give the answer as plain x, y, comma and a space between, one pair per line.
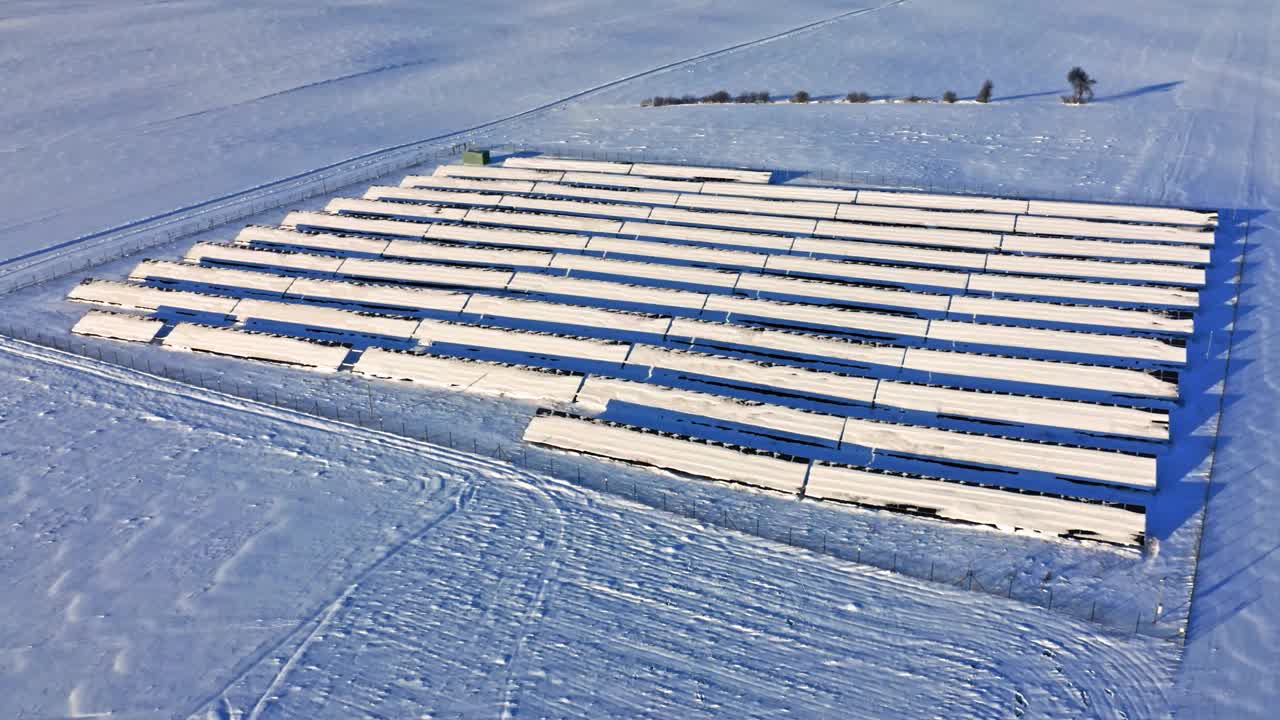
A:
531, 622
298, 88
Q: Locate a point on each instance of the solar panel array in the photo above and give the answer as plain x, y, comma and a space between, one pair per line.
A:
997, 361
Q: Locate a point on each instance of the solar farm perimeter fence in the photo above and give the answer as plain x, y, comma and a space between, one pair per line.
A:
99, 248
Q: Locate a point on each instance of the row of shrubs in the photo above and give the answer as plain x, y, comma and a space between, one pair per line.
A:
714, 98
723, 96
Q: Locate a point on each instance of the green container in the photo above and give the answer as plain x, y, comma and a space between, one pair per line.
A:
475, 157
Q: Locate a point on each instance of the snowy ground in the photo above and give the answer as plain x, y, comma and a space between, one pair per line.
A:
202, 587
352, 573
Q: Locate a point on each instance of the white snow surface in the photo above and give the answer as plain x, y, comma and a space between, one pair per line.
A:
354, 573
169, 552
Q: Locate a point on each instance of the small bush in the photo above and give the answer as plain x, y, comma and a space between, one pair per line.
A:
857, 97
800, 97
984, 94
721, 96
949, 96
761, 96
918, 99
1081, 86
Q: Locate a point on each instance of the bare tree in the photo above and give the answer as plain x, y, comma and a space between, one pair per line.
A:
984, 95
1081, 86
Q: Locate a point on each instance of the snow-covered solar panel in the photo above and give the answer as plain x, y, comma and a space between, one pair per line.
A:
255, 234
1118, 381
728, 370
1129, 213
447, 197
1036, 225
807, 315
1049, 412
429, 274
536, 344
472, 376
552, 205
223, 277
938, 237
256, 346
724, 335
547, 162
596, 394
1080, 343
732, 203
710, 236
1033, 265
626, 196
733, 220
926, 218
497, 173
595, 290
460, 183
891, 253
1068, 314
1137, 471
651, 271
379, 296
506, 237
1075, 289
1002, 509
241, 255
685, 253
842, 293
779, 192
306, 219
543, 221
942, 202
118, 326
559, 313
414, 211
684, 456
325, 318
449, 252
701, 172
1106, 249
141, 297
867, 273
631, 181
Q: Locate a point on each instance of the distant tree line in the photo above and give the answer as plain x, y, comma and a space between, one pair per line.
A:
1080, 81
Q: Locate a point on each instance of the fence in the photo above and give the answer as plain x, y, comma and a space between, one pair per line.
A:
868, 179
89, 251
1157, 622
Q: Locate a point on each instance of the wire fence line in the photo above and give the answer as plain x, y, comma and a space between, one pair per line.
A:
1118, 616
1158, 621
868, 179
